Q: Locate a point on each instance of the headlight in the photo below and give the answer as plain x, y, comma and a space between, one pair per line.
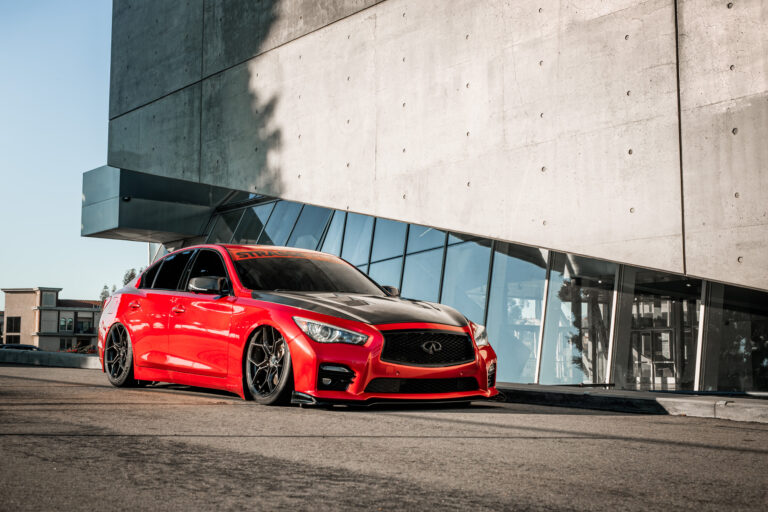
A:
326, 333
481, 337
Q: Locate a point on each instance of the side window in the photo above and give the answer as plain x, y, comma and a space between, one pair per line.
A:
208, 264
169, 275
149, 275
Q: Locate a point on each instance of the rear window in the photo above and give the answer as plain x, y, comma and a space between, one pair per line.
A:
170, 272
300, 272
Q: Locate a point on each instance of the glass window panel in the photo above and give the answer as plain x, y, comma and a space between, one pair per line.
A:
421, 277
578, 320
49, 299
388, 239
457, 238
309, 227
357, 238
67, 321
421, 238
656, 331
332, 242
280, 223
387, 273
465, 284
224, 227
515, 310
736, 349
252, 225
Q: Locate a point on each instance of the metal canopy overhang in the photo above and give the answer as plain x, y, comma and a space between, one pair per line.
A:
128, 205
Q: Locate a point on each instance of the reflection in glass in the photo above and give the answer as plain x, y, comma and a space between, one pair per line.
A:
736, 350
656, 332
387, 273
280, 223
224, 227
465, 283
332, 242
421, 238
309, 228
515, 309
578, 321
388, 239
253, 222
357, 239
421, 277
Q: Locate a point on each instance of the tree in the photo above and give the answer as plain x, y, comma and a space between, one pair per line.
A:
129, 275
114, 289
104, 293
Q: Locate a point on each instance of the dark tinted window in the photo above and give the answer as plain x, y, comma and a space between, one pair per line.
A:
170, 273
149, 275
208, 264
303, 274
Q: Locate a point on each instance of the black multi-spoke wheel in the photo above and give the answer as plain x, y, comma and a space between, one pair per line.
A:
118, 357
268, 371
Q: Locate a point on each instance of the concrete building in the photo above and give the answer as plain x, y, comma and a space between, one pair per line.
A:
588, 178
36, 316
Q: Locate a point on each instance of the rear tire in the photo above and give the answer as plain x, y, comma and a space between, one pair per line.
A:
267, 367
118, 357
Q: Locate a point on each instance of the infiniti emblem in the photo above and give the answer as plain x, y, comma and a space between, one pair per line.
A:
430, 347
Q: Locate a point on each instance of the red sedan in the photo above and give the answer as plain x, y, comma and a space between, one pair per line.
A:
277, 324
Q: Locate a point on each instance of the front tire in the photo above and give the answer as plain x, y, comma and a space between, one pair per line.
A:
268, 370
118, 357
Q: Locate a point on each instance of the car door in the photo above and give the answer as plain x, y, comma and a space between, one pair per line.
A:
148, 310
200, 322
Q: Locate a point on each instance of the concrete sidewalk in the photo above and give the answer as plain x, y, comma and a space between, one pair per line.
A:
675, 404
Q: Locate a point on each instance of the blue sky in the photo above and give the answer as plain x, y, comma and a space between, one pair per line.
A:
54, 93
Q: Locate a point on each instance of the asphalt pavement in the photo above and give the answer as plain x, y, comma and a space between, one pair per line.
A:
70, 441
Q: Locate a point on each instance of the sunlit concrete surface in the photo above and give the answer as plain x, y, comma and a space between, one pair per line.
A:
71, 441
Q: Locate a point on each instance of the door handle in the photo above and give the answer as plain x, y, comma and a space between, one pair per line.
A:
178, 309
134, 305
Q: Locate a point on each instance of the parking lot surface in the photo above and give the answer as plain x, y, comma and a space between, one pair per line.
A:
71, 441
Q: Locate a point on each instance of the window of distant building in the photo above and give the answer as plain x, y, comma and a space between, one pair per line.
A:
13, 324
67, 321
49, 299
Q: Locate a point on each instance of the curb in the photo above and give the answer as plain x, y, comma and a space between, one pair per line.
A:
57, 359
638, 402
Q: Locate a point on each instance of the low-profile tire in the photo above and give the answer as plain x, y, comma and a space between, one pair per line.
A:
118, 357
267, 367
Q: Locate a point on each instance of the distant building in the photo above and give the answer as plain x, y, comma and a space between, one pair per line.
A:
36, 316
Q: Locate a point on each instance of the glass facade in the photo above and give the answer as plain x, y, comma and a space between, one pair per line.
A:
553, 318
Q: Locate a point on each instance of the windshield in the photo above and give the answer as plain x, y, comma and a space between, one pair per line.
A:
299, 272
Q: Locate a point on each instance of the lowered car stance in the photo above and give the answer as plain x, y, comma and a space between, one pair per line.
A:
279, 325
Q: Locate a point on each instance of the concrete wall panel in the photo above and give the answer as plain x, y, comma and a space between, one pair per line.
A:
156, 49
445, 103
724, 88
300, 117
162, 138
236, 30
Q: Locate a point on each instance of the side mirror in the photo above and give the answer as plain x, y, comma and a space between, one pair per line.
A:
392, 291
208, 284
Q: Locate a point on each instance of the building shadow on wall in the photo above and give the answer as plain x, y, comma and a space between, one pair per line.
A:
243, 141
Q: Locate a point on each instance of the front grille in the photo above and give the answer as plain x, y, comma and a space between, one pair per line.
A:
413, 348
421, 386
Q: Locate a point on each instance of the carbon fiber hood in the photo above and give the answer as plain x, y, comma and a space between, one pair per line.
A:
366, 308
